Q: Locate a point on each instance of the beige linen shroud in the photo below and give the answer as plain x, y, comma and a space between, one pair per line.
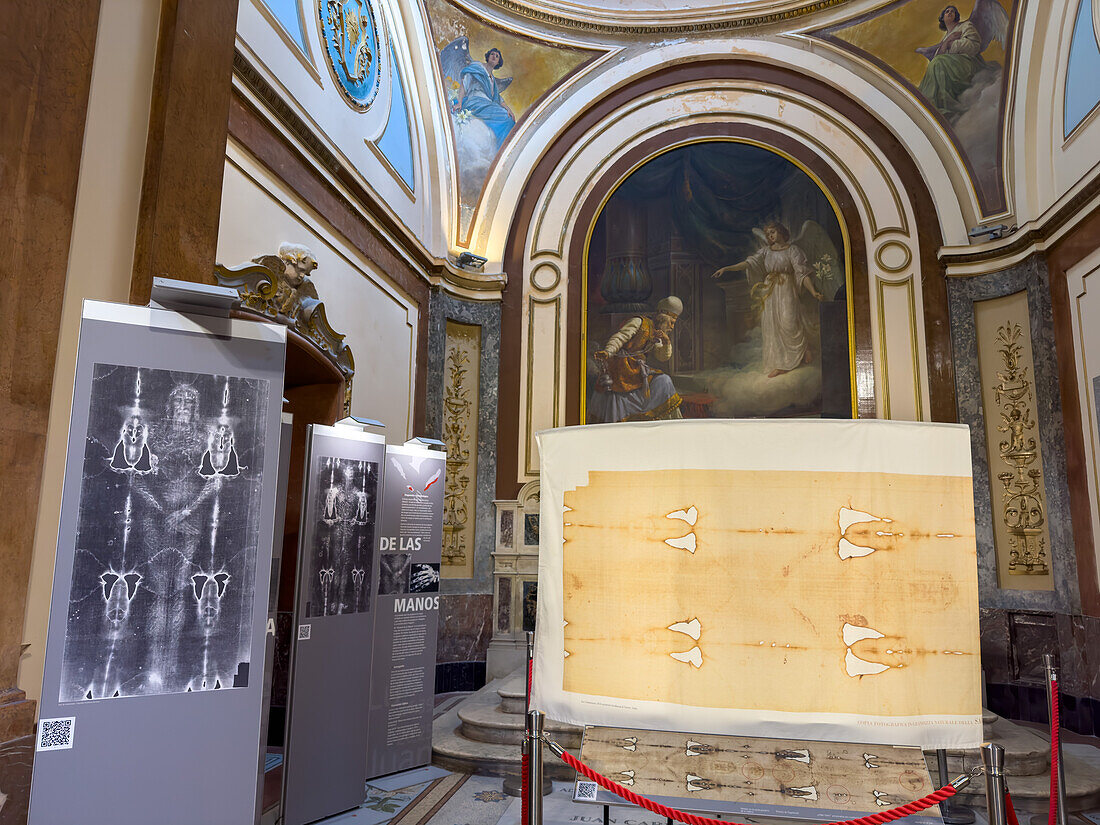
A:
831, 594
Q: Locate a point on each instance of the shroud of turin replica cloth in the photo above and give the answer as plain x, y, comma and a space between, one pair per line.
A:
799, 579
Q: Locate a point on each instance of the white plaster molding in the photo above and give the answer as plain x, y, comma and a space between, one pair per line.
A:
886, 217
507, 184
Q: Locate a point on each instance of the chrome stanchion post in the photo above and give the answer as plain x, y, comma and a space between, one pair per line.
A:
536, 722
993, 757
513, 783
1052, 678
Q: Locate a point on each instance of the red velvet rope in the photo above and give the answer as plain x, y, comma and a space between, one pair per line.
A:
879, 818
525, 759
1055, 718
1010, 810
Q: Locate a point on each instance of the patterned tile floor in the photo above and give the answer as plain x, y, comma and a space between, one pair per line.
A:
435, 796
404, 799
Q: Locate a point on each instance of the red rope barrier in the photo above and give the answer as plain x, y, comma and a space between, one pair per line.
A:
1010, 810
525, 760
1055, 718
524, 766
879, 818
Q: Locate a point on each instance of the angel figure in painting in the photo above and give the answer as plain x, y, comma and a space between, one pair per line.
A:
480, 88
628, 388
954, 62
780, 272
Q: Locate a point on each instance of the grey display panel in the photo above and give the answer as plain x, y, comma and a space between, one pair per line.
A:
326, 733
286, 437
407, 620
152, 691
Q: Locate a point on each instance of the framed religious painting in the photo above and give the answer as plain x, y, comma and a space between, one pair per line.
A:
717, 284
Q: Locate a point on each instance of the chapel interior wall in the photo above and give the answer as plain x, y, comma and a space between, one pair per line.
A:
101, 259
296, 69
380, 322
382, 302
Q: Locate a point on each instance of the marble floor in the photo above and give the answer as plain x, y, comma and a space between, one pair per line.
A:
435, 796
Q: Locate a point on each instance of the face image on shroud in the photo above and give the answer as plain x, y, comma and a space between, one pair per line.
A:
393, 575
163, 579
342, 550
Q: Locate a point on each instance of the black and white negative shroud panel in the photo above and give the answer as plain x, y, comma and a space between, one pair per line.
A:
152, 692
326, 732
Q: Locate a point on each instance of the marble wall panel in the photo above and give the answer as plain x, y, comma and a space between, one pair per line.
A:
1031, 636
963, 292
1090, 640
486, 315
531, 529
504, 605
16, 756
1072, 660
465, 627
996, 650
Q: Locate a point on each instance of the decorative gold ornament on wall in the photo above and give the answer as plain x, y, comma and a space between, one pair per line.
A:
279, 287
460, 413
1013, 447
1022, 500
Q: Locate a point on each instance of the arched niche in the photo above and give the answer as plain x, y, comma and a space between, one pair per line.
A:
669, 227
901, 347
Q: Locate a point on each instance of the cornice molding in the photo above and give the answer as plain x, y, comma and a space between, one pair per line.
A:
677, 27
1035, 236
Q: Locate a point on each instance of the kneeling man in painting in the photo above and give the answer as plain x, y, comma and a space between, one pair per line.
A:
628, 388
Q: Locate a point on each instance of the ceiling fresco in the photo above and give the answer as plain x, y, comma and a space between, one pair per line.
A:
954, 59
492, 78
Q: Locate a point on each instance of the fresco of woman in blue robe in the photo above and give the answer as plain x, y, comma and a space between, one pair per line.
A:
481, 91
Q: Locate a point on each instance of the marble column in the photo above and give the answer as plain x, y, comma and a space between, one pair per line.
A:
466, 594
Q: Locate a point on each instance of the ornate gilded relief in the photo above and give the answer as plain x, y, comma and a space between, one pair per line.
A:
1006, 365
952, 58
353, 48
1023, 507
491, 78
278, 287
460, 412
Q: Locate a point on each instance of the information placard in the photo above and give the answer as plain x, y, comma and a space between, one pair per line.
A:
326, 732
407, 621
155, 646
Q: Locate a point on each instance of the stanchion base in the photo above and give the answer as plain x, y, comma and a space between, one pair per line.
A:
957, 815
513, 785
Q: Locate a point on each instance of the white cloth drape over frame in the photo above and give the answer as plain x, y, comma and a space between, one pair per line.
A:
800, 579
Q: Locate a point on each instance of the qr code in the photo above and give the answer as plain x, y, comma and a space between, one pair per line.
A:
586, 790
55, 734
303, 632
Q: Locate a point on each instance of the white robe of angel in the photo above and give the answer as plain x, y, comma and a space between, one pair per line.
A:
784, 328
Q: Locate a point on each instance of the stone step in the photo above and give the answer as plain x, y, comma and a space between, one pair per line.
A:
456, 752
1031, 794
488, 723
1027, 751
513, 693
